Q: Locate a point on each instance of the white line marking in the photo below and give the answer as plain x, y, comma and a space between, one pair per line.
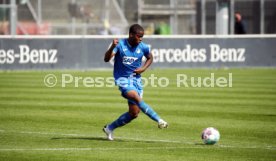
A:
134, 139
133, 148
82, 135
97, 149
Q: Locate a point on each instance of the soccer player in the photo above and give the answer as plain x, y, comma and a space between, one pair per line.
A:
127, 74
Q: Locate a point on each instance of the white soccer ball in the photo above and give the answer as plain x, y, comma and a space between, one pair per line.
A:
210, 136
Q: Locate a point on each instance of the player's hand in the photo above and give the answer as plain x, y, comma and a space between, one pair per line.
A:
115, 42
139, 70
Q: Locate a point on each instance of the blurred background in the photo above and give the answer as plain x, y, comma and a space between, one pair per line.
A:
113, 17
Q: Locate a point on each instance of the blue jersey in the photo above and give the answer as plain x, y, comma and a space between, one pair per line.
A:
128, 58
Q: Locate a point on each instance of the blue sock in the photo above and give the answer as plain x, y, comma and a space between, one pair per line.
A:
148, 111
121, 121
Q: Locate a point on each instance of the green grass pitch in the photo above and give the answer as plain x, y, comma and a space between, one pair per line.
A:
42, 123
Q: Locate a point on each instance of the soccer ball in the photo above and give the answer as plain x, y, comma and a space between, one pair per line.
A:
210, 136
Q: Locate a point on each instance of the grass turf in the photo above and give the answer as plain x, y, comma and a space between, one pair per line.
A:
42, 123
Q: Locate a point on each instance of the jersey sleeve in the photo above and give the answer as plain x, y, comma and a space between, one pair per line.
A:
116, 49
146, 49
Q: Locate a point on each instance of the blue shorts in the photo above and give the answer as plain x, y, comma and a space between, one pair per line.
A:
128, 85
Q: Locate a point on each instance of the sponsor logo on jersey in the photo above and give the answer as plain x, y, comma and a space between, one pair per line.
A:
129, 60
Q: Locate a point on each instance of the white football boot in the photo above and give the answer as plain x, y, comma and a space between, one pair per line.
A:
162, 124
109, 133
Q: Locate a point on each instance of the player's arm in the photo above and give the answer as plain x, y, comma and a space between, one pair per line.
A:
146, 65
109, 53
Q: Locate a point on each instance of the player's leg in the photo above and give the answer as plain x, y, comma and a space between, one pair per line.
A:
126, 117
122, 120
133, 110
134, 96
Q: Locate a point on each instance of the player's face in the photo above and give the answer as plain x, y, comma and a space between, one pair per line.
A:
136, 38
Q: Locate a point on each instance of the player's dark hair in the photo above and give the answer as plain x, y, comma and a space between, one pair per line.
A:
135, 28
